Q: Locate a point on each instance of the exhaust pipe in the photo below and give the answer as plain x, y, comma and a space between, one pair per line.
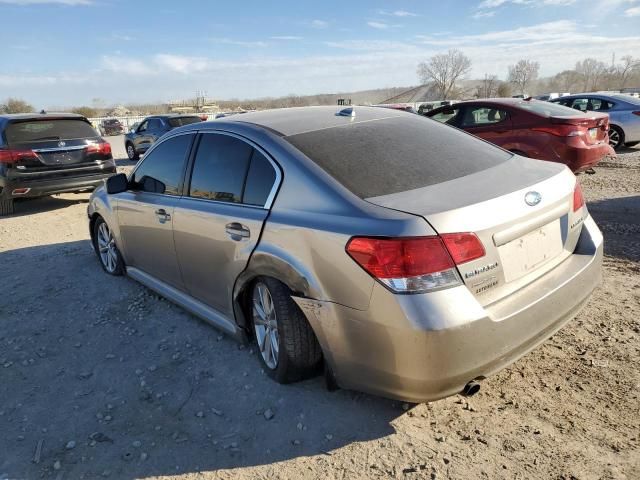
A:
471, 388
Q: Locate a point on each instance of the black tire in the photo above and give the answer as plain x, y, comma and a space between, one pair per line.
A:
132, 154
113, 266
299, 353
6, 206
617, 142
631, 144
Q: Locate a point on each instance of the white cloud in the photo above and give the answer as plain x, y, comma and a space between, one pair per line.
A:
378, 25
319, 24
538, 3
488, 14
43, 2
128, 66
397, 13
182, 64
239, 43
632, 12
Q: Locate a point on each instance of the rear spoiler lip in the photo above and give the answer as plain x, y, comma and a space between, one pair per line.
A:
582, 121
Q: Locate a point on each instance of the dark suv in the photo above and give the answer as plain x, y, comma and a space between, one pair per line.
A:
151, 129
43, 154
111, 126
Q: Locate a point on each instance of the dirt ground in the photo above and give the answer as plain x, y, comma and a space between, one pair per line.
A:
99, 378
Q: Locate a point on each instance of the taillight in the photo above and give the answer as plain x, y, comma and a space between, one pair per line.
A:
12, 155
103, 148
561, 130
636, 113
415, 264
578, 198
463, 247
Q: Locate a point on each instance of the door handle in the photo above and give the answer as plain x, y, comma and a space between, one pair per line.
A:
237, 231
162, 215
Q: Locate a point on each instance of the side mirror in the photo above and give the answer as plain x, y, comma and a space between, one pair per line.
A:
117, 184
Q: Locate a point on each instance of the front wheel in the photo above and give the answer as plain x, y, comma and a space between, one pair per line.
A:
106, 248
288, 347
131, 152
616, 137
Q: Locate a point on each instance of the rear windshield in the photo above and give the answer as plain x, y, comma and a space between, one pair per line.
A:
41, 130
396, 154
548, 109
628, 99
180, 121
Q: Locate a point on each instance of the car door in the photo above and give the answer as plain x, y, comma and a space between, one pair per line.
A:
491, 123
145, 211
140, 140
218, 222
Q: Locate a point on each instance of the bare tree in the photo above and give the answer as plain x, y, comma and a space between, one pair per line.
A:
489, 86
591, 72
15, 105
567, 80
504, 89
623, 71
444, 70
523, 73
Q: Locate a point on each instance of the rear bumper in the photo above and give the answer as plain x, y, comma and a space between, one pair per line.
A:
48, 186
420, 348
579, 156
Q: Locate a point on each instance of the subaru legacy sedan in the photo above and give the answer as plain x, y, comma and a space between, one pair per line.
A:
406, 258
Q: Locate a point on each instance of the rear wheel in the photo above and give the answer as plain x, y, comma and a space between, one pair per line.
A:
6, 206
131, 152
288, 347
616, 137
106, 248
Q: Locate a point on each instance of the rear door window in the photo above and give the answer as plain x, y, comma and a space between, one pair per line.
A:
43, 130
482, 116
161, 169
220, 168
260, 180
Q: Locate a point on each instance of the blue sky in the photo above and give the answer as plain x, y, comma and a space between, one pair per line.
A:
70, 52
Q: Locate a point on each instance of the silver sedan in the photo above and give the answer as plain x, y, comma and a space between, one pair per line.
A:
402, 256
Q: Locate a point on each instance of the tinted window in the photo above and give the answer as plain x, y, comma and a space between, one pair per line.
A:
41, 130
260, 180
161, 169
220, 168
479, 116
596, 105
448, 116
396, 154
143, 127
180, 121
154, 124
546, 109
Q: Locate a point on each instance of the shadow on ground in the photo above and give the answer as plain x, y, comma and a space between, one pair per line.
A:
619, 220
139, 387
29, 206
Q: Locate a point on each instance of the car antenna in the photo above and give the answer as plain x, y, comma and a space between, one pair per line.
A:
347, 112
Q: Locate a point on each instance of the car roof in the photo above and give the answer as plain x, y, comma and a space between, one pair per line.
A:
292, 121
39, 116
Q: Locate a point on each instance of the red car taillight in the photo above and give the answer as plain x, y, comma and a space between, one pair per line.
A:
415, 264
636, 113
103, 148
562, 130
578, 198
12, 155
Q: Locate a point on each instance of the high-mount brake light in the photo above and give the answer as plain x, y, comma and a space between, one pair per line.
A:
415, 264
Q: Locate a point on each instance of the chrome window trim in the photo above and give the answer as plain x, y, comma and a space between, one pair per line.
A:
274, 165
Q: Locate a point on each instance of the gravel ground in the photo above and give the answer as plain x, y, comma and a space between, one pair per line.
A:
99, 378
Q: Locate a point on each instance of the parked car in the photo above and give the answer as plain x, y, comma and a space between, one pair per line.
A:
44, 154
138, 141
623, 111
405, 107
410, 258
111, 127
533, 128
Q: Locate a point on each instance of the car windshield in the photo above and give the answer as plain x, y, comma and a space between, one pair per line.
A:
396, 154
180, 121
547, 109
42, 130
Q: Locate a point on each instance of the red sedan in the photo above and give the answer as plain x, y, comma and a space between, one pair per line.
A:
535, 129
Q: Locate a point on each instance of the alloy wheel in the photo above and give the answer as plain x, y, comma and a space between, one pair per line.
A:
107, 248
614, 138
131, 153
266, 325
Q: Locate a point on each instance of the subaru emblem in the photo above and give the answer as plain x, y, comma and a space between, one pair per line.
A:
62, 144
532, 198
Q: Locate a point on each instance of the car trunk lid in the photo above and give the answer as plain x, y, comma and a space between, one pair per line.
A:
522, 212
593, 127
